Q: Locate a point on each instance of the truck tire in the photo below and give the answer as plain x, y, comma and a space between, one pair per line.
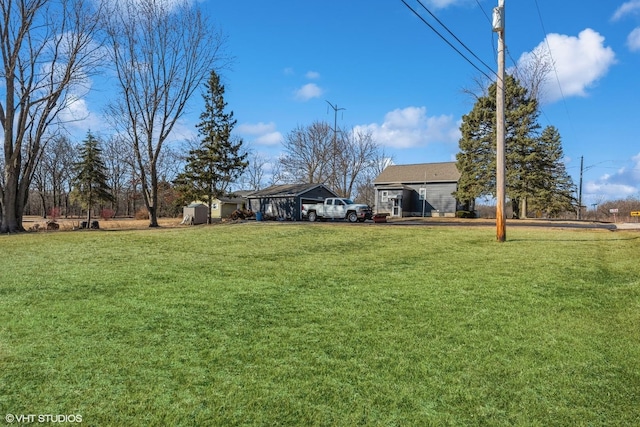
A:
312, 216
352, 216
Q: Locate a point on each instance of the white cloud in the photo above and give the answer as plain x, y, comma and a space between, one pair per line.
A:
623, 183
271, 138
609, 190
633, 40
168, 5
264, 133
627, 8
441, 4
76, 114
256, 128
308, 91
411, 127
579, 63
312, 75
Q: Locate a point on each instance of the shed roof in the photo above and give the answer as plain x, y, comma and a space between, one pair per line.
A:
286, 190
422, 172
231, 199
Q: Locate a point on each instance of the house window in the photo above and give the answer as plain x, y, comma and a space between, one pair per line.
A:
384, 196
214, 206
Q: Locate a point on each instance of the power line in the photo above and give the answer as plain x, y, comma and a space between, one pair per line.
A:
546, 40
454, 36
486, 15
553, 62
493, 38
446, 41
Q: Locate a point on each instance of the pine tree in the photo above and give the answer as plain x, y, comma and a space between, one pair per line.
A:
532, 163
218, 160
90, 180
555, 186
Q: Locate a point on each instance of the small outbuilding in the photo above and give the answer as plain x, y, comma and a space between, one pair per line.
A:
223, 207
285, 201
195, 213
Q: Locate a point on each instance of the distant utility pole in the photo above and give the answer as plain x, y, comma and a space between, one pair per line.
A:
501, 219
335, 143
580, 189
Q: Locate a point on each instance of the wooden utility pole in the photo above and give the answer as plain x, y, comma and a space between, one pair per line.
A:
501, 219
580, 190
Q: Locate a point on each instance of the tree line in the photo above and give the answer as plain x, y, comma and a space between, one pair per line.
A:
159, 54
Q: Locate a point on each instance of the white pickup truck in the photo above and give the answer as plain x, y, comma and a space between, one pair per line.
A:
337, 208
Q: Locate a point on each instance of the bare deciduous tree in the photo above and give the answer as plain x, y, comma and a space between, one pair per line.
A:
308, 153
365, 190
533, 72
48, 52
52, 175
356, 153
162, 52
313, 154
255, 173
117, 156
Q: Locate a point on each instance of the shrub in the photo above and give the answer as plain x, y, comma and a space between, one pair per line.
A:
105, 213
54, 213
465, 214
142, 213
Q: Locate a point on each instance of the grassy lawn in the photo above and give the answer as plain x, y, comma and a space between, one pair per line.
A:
322, 325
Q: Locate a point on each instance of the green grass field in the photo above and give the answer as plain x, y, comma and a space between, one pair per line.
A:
265, 324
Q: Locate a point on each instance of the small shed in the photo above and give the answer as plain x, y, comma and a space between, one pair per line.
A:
285, 201
195, 213
223, 207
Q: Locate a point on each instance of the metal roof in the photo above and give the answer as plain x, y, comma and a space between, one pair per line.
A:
423, 172
286, 190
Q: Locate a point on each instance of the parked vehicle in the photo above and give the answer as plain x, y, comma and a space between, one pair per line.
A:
337, 208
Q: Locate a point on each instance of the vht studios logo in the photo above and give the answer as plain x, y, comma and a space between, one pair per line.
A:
42, 418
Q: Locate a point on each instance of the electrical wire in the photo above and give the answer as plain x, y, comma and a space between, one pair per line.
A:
454, 36
493, 34
448, 42
546, 40
553, 63
486, 15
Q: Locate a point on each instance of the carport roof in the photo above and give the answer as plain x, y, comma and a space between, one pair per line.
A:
286, 190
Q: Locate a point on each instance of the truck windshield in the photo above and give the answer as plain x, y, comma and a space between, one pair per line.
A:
347, 201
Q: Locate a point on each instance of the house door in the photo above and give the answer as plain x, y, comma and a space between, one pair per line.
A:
397, 207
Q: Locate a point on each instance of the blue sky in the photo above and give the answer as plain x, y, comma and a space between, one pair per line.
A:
396, 78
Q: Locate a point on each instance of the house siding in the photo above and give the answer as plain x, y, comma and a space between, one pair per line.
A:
438, 199
404, 183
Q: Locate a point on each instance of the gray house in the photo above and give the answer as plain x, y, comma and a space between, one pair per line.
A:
417, 190
285, 201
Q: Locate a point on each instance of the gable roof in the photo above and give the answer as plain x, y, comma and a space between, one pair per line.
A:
231, 200
287, 190
417, 173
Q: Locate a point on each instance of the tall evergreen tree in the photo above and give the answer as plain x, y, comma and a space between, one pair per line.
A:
90, 180
530, 162
555, 186
218, 160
